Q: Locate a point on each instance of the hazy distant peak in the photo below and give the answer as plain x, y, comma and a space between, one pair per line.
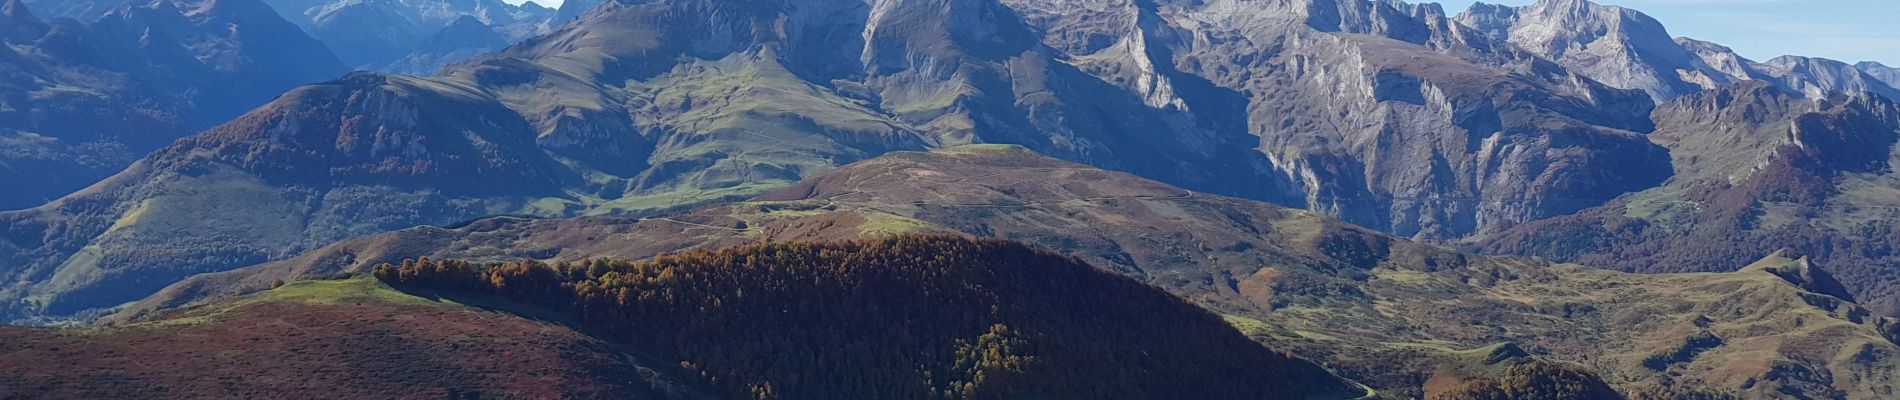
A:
1889, 75
14, 9
16, 20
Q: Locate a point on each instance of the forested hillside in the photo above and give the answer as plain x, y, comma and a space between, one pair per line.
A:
906, 317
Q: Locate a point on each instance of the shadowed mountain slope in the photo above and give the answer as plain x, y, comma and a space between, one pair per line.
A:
82, 99
1759, 170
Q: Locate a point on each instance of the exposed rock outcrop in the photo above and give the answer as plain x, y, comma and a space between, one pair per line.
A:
1628, 49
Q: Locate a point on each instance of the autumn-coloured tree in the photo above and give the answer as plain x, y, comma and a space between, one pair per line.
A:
906, 317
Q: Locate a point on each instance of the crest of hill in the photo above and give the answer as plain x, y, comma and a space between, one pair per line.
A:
957, 317
1381, 310
354, 338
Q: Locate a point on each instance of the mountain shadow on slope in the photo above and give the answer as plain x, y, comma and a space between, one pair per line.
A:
83, 98
905, 317
1759, 170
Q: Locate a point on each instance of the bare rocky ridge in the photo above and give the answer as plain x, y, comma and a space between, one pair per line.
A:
1820, 78
1884, 73
1628, 49
1388, 114
1615, 45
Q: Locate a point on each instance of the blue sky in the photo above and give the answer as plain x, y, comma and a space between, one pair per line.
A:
1846, 30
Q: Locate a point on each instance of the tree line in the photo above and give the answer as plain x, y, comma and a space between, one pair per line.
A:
904, 317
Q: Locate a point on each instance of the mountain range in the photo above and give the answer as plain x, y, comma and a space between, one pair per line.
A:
1624, 48
1388, 115
1409, 319
1355, 182
419, 36
83, 98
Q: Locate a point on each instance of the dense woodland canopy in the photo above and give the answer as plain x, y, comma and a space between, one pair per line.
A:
907, 317
1534, 380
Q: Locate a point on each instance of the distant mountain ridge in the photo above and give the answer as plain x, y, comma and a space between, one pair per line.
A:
1628, 49
409, 36
85, 98
1887, 74
1758, 169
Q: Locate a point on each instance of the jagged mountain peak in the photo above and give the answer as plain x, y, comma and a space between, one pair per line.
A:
1628, 49
18, 20
15, 10
1618, 46
235, 7
467, 30
572, 9
1821, 77
1586, 6
388, 35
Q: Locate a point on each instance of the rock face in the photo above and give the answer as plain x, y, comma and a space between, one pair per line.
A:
81, 99
1615, 45
1391, 116
408, 36
1820, 77
1627, 49
1382, 113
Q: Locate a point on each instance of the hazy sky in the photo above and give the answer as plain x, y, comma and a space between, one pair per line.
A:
1846, 30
